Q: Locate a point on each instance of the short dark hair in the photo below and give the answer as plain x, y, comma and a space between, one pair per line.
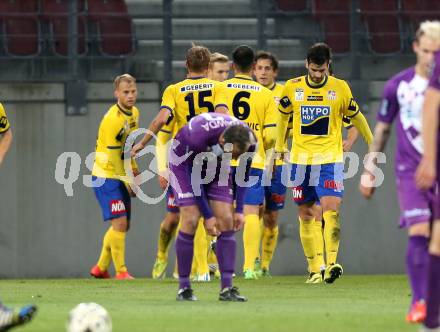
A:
267, 56
319, 54
239, 135
243, 57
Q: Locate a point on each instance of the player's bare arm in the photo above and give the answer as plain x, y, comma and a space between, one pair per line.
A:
158, 122
381, 135
5, 144
352, 136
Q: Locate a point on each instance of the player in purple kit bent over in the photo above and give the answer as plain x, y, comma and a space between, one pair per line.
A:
212, 199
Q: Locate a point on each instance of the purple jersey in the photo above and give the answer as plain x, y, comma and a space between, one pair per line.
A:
434, 82
202, 134
403, 98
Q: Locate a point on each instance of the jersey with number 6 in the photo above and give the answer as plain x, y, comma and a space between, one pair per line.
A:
191, 97
255, 105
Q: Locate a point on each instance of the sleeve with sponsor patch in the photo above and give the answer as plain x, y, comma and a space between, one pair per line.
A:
4, 123
434, 81
351, 107
111, 137
169, 99
285, 110
389, 106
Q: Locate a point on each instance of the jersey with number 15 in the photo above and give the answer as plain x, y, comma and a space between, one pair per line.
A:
191, 97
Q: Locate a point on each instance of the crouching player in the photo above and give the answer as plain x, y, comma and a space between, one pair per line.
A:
213, 200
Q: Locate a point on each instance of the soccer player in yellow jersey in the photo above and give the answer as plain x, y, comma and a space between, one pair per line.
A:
347, 143
265, 72
169, 224
318, 103
5, 134
10, 318
111, 183
186, 99
254, 104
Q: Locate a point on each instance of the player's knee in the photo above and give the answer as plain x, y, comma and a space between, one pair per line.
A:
306, 213
421, 229
270, 219
225, 222
171, 221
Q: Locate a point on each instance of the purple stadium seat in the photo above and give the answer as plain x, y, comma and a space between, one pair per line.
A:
115, 36
292, 6
382, 23
56, 12
106, 8
420, 10
334, 16
22, 36
51, 8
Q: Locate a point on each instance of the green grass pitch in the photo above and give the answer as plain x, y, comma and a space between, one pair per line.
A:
353, 303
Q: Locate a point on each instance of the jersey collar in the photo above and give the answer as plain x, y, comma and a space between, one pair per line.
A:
273, 86
243, 77
313, 86
195, 78
126, 112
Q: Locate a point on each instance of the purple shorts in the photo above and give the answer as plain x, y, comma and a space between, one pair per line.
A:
180, 180
416, 206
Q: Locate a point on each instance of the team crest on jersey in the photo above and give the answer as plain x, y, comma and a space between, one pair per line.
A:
277, 100
315, 120
117, 207
3, 122
331, 95
299, 94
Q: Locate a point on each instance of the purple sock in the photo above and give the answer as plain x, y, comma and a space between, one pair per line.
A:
433, 293
417, 266
226, 249
184, 252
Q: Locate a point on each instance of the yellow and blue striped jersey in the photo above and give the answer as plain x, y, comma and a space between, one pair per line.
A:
318, 112
253, 104
4, 122
114, 129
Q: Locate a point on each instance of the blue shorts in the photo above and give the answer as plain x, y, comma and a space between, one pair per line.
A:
275, 194
255, 193
171, 201
114, 199
311, 182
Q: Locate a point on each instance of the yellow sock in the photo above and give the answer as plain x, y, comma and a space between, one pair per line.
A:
307, 235
201, 249
106, 255
269, 243
251, 240
331, 235
212, 258
118, 250
319, 241
164, 242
